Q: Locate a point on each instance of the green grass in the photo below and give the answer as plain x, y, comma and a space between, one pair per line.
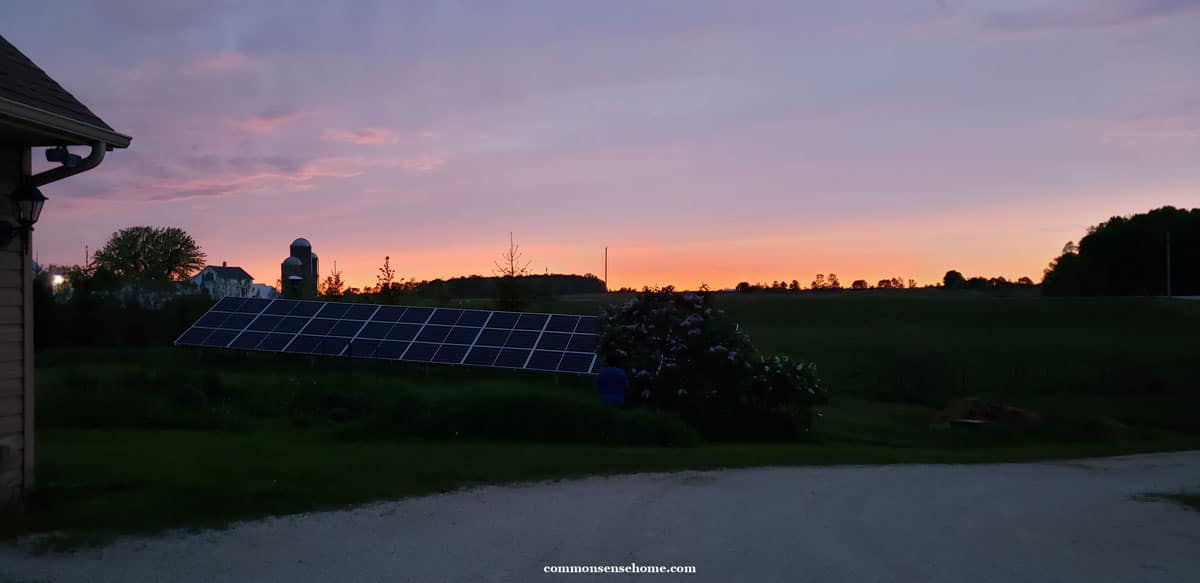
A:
97, 484
275, 435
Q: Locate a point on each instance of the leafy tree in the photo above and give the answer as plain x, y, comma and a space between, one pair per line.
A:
1025, 281
819, 281
1129, 255
387, 276
859, 284
333, 285
794, 286
833, 282
742, 286
953, 280
149, 254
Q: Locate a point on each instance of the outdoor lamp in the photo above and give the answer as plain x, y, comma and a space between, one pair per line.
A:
27, 201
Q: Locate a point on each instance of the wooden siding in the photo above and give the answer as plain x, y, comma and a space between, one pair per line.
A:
16, 394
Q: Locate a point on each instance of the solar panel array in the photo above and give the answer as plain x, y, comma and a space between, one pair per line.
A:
545, 342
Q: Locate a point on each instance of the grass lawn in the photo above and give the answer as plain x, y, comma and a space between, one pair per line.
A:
1182, 498
99, 483
141, 440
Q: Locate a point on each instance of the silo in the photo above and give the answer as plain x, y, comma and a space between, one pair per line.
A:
291, 278
316, 275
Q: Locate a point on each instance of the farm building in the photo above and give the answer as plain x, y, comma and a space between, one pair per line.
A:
299, 272
35, 111
221, 281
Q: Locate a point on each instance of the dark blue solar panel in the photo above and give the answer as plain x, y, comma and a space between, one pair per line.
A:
445, 316
375, 330
333, 310
332, 346
462, 335
281, 307
388, 314
450, 354
416, 315
553, 341
306, 309
492, 337
360, 312
511, 358
544, 360
532, 321
561, 323
275, 342
228, 304
421, 351
265, 323
346, 328
582, 343
219, 338
319, 326
212, 319
253, 305
362, 348
576, 362
390, 350
473, 318
521, 339
248, 340
482, 356
403, 331
237, 321
503, 320
304, 344
290, 325
431, 333
194, 336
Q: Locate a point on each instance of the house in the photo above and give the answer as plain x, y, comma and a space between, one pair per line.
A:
224, 281
35, 112
264, 291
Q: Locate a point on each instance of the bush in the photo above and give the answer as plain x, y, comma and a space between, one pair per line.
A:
682, 355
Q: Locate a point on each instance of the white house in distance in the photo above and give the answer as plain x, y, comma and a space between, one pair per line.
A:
224, 281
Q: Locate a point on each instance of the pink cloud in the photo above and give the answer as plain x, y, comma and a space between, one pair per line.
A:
265, 123
366, 137
222, 62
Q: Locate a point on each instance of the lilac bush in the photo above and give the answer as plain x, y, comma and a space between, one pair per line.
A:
682, 354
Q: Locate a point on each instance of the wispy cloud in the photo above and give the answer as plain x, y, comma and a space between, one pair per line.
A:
229, 61
366, 137
267, 122
1107, 14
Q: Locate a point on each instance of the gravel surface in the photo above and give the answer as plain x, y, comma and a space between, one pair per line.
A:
1055, 521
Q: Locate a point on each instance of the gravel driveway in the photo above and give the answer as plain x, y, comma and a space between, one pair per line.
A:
1056, 521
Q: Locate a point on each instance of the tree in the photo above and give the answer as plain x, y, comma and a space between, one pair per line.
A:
742, 286
386, 277
1025, 281
333, 284
859, 284
150, 254
794, 286
819, 281
912, 284
953, 280
833, 282
509, 264
897, 283
1131, 255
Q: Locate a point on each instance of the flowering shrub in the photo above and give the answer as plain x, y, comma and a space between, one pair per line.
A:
683, 355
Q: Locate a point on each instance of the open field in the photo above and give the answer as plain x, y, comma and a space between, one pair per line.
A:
270, 435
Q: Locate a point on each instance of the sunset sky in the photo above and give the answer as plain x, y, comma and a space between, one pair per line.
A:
700, 141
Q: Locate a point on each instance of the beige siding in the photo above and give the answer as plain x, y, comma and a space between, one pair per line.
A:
15, 395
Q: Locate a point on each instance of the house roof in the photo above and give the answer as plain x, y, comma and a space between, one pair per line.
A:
37, 110
229, 272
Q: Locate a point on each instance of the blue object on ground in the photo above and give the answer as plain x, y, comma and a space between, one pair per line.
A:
612, 384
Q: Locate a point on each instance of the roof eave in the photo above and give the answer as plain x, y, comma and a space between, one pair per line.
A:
61, 127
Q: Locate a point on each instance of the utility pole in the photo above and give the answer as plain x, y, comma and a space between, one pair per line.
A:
1168, 264
606, 268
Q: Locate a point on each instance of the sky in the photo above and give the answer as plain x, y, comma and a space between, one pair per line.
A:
701, 142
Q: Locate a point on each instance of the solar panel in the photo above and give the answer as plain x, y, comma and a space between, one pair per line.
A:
517, 340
